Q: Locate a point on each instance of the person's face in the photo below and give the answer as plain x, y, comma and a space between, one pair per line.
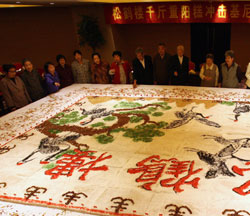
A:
28, 66
161, 50
209, 61
140, 56
117, 58
78, 57
96, 59
180, 51
62, 62
229, 60
51, 69
12, 73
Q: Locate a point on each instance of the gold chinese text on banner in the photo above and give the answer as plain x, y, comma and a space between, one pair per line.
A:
177, 12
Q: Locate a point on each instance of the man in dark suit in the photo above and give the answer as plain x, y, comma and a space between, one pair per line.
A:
179, 67
161, 64
143, 68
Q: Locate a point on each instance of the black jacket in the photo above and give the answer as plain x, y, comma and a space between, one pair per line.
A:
143, 75
162, 73
34, 84
182, 69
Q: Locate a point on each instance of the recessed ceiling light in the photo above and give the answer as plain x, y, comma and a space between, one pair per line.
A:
51, 3
18, 2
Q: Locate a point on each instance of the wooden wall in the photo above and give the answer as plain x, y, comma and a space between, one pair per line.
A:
42, 33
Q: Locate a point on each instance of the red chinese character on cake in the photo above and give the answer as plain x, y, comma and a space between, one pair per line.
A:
83, 161
242, 189
176, 169
153, 169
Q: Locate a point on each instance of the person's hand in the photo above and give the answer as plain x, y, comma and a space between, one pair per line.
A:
112, 72
219, 85
134, 84
176, 73
57, 84
208, 78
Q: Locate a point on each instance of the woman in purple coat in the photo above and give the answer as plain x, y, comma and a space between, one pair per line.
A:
51, 78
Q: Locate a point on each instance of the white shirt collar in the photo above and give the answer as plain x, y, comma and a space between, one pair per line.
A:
211, 67
142, 62
180, 59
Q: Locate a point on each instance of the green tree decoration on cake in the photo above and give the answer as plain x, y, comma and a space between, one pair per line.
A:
131, 119
64, 118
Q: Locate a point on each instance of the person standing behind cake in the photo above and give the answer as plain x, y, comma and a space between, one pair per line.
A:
99, 70
209, 73
51, 78
81, 68
231, 74
64, 71
248, 76
33, 81
143, 68
120, 69
14, 91
179, 67
161, 65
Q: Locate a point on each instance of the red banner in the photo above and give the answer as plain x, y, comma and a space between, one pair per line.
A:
178, 12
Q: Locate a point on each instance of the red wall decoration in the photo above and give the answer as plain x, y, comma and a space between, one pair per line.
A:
178, 12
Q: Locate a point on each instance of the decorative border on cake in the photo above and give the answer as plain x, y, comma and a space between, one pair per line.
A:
22, 121
81, 209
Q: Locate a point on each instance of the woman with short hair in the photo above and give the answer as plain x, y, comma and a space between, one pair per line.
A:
99, 70
209, 73
51, 78
64, 71
120, 69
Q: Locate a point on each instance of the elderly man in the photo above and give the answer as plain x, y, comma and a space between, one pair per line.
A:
34, 83
161, 64
179, 67
143, 68
231, 74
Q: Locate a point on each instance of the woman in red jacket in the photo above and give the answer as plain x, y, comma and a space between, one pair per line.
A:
120, 70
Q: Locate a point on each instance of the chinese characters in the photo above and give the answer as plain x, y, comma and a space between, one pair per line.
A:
167, 172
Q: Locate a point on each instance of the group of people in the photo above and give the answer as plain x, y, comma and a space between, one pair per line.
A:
163, 69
